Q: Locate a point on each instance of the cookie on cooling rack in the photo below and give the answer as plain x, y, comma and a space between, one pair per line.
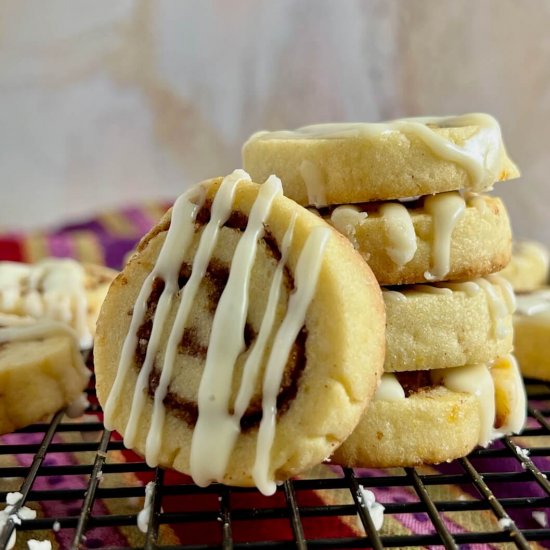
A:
59, 289
532, 333
528, 269
242, 341
441, 237
41, 370
446, 325
358, 162
428, 417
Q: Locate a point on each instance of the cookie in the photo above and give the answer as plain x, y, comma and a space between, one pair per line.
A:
58, 289
446, 325
41, 370
347, 163
528, 268
532, 333
435, 238
243, 339
436, 416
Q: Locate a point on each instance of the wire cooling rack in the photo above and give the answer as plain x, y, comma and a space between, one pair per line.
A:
88, 491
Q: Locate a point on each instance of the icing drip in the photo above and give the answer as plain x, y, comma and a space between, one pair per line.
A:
480, 155
389, 389
507, 291
509, 389
346, 219
469, 287
400, 234
216, 430
429, 289
475, 380
220, 212
499, 308
177, 242
306, 276
252, 363
315, 183
393, 296
52, 289
446, 209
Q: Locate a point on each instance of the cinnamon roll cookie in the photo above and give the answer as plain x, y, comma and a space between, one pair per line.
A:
58, 289
428, 417
435, 238
243, 339
41, 370
346, 163
446, 325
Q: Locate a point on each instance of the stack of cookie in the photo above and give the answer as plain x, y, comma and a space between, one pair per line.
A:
211, 354
528, 274
407, 195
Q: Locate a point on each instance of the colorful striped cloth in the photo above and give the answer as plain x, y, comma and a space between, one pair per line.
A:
107, 240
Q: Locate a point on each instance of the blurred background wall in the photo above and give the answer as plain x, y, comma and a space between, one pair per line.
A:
111, 102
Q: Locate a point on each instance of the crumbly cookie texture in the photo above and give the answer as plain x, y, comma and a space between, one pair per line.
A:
436, 417
41, 371
444, 237
359, 162
528, 268
448, 324
330, 355
531, 333
57, 289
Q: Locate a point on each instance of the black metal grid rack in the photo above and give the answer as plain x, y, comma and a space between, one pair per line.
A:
504, 482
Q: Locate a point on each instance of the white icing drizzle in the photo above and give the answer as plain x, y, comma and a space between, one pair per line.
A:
52, 288
347, 219
499, 308
469, 287
176, 244
446, 210
306, 276
389, 389
252, 363
400, 233
535, 303
429, 289
517, 409
393, 296
480, 155
507, 290
314, 180
475, 380
220, 212
216, 430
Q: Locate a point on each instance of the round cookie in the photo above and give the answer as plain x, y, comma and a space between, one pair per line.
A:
208, 332
428, 419
358, 162
532, 333
41, 371
59, 289
528, 268
448, 324
436, 238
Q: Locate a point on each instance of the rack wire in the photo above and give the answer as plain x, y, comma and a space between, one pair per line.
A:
88, 491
